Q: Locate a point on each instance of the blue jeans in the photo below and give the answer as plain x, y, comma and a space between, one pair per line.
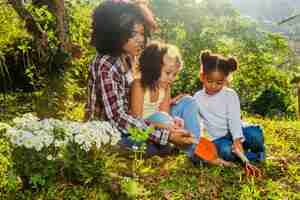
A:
253, 145
187, 109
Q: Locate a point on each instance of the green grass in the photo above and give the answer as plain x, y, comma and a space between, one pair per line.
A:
14, 105
176, 178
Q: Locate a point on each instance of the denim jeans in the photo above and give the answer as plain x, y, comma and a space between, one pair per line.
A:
253, 145
185, 108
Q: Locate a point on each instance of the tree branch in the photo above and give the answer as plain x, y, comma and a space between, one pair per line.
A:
31, 25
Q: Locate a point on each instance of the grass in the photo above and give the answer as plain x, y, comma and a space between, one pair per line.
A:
176, 178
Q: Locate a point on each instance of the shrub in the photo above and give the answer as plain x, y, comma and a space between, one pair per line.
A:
272, 101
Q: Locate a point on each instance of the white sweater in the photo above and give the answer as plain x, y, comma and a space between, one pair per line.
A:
220, 113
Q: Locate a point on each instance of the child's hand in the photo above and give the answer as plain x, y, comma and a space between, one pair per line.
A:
252, 170
164, 106
174, 100
178, 123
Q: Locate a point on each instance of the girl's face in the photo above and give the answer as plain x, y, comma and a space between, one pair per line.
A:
135, 44
168, 72
213, 82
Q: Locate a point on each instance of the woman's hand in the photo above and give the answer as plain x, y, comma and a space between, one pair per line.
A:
178, 123
181, 137
148, 14
164, 106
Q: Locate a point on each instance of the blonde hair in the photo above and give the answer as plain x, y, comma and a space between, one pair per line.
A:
173, 53
153, 58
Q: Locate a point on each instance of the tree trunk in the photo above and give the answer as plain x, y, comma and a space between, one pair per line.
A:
53, 97
31, 25
60, 21
57, 8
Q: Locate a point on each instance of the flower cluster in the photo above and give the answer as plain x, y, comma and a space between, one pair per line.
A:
33, 133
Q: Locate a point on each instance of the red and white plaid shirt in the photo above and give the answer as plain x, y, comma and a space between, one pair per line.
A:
108, 97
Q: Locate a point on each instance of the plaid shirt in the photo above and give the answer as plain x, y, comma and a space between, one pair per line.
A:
108, 88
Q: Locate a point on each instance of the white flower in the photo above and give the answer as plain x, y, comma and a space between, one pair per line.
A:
74, 127
4, 126
50, 157
47, 140
59, 143
105, 138
32, 133
79, 139
135, 147
28, 143
60, 155
21, 122
114, 140
37, 146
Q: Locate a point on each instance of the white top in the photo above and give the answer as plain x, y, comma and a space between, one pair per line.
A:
152, 107
220, 113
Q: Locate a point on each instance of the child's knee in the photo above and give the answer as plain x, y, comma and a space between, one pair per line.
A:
253, 133
161, 117
186, 99
254, 137
226, 153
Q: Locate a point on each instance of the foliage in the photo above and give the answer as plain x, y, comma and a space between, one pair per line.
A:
58, 81
80, 174
264, 57
8, 180
10, 31
213, 25
271, 102
138, 135
39, 162
47, 151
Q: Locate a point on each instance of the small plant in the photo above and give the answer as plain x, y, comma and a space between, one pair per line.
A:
139, 135
132, 188
50, 150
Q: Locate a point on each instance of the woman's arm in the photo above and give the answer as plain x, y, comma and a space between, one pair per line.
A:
137, 99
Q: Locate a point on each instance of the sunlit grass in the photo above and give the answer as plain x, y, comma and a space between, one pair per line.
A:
175, 177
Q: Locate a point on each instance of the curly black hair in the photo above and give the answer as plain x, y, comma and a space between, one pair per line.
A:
113, 25
216, 62
152, 60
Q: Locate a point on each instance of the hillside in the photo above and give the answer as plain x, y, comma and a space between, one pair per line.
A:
268, 10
